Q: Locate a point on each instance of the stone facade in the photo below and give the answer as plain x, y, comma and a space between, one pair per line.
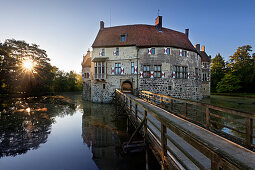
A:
187, 88
86, 74
103, 89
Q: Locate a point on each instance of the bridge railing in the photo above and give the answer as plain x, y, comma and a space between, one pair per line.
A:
233, 124
164, 136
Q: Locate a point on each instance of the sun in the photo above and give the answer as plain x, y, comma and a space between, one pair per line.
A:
28, 65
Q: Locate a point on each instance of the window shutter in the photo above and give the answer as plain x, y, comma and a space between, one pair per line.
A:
163, 74
141, 74
135, 69
149, 50
188, 75
152, 74
187, 53
100, 53
122, 70
174, 74
180, 52
114, 52
113, 70
165, 50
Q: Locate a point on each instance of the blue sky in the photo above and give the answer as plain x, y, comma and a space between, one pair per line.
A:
67, 28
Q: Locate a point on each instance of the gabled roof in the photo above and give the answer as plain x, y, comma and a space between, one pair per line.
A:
142, 36
204, 57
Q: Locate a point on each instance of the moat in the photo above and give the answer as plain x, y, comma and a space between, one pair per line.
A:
40, 133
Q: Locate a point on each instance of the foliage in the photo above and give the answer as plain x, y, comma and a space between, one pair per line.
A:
217, 71
236, 75
41, 78
229, 83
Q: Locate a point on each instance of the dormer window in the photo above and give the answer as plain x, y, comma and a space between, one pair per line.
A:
103, 52
123, 37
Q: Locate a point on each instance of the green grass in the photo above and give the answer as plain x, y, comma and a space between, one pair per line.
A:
250, 95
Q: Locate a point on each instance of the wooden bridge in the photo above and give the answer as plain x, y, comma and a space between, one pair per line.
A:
190, 135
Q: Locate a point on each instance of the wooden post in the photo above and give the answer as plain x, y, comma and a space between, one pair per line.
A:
171, 105
249, 131
207, 114
136, 111
130, 106
154, 99
145, 125
161, 101
185, 109
163, 145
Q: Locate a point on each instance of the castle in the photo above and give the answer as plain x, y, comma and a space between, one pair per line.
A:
145, 57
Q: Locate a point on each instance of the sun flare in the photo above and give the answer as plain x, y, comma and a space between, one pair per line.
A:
28, 65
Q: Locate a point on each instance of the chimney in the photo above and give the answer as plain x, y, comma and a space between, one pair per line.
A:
101, 25
203, 48
187, 32
158, 23
197, 47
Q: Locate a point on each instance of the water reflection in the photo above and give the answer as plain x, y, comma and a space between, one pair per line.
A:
80, 135
26, 123
104, 133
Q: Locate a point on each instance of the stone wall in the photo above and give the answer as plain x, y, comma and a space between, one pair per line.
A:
181, 88
102, 90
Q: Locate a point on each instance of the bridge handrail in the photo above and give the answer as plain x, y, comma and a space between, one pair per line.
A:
248, 116
200, 144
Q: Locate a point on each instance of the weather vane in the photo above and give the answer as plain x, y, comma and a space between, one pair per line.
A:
158, 12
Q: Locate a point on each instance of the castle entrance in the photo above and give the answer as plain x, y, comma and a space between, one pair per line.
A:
127, 86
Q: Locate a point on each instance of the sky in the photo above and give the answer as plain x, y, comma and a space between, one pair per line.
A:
66, 29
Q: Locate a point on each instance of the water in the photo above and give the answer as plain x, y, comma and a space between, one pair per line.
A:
239, 103
41, 134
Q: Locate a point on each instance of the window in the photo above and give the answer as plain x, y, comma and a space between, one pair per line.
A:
117, 68
169, 87
86, 75
184, 53
132, 68
196, 73
181, 72
157, 71
103, 86
117, 51
152, 50
123, 37
99, 68
204, 65
181, 90
146, 71
168, 51
103, 52
204, 77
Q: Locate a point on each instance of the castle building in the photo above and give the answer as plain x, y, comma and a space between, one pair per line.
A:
143, 57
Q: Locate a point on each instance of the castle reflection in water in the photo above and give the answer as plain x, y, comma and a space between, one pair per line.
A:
104, 132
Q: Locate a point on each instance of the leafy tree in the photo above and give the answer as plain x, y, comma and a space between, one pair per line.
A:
230, 83
26, 69
217, 71
18, 78
242, 64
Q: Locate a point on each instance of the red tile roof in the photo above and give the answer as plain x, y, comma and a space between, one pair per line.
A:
142, 36
204, 57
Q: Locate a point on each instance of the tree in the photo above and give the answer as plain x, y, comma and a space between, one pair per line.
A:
217, 71
19, 79
230, 83
242, 64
